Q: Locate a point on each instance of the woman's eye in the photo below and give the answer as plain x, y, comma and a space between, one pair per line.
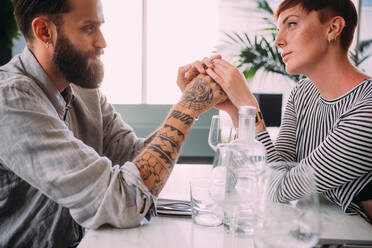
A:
291, 24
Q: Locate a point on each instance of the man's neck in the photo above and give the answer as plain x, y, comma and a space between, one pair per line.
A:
45, 60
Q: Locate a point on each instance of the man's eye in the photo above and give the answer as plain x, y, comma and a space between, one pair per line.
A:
89, 28
291, 24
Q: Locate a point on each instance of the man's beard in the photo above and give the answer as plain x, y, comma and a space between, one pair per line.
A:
74, 64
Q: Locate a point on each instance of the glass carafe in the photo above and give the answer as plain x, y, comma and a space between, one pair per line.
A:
238, 180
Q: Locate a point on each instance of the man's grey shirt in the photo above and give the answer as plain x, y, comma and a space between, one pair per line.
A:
64, 161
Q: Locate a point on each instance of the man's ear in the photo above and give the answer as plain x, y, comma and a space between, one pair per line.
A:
43, 30
336, 25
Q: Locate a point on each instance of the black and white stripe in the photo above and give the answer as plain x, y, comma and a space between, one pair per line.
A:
333, 137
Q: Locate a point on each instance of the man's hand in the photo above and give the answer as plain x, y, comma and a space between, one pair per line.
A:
232, 82
157, 159
201, 94
188, 72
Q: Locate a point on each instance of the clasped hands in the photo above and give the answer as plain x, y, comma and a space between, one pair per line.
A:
227, 83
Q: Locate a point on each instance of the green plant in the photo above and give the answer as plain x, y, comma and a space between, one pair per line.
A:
359, 55
259, 54
8, 30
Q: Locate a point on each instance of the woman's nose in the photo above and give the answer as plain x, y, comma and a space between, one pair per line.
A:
279, 41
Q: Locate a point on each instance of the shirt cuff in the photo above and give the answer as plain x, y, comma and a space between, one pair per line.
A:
132, 177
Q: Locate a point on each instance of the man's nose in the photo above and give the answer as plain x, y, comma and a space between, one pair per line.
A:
100, 42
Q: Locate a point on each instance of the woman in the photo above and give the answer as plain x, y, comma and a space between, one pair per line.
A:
327, 123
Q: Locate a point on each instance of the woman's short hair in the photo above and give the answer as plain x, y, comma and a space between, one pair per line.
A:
26, 10
326, 10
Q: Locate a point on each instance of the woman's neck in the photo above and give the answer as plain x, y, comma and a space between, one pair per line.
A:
335, 76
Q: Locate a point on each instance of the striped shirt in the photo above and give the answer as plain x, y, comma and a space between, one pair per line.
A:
333, 137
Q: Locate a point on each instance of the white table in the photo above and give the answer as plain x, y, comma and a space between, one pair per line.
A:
180, 232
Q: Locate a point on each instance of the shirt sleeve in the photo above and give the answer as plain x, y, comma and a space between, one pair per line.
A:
285, 145
117, 135
39, 148
343, 157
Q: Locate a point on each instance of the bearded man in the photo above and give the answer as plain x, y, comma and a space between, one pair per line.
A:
67, 160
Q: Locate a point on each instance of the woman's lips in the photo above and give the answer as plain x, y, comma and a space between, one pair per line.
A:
285, 56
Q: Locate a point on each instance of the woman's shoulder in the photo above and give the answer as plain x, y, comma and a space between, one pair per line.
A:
304, 89
362, 93
364, 87
304, 86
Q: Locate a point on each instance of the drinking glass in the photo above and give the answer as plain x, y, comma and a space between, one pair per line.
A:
238, 180
221, 131
205, 211
218, 175
291, 223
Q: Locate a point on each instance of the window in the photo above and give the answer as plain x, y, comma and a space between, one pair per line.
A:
365, 33
122, 57
174, 33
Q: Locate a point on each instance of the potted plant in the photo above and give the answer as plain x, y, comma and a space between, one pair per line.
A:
8, 30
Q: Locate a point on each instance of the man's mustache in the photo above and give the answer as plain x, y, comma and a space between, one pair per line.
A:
98, 52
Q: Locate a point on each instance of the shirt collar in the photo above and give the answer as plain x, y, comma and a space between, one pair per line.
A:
37, 73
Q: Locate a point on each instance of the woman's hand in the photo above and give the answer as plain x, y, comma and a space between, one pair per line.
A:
188, 72
231, 81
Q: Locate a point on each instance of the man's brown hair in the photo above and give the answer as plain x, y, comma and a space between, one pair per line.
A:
26, 10
327, 9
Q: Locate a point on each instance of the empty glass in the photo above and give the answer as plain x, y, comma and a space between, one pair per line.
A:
294, 222
205, 211
221, 131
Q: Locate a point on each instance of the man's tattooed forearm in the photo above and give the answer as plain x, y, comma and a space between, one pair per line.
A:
185, 118
165, 148
158, 158
168, 143
172, 133
153, 171
200, 95
151, 137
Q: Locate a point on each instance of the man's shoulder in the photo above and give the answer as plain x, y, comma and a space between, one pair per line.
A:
12, 75
15, 84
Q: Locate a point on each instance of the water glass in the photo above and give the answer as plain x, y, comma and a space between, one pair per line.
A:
245, 199
205, 211
293, 222
221, 131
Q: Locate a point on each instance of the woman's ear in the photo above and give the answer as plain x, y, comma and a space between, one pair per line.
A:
336, 25
42, 30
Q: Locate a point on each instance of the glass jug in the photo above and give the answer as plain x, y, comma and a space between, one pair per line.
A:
238, 179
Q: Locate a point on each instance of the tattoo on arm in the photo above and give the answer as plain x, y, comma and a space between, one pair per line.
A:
199, 95
151, 137
157, 160
185, 118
